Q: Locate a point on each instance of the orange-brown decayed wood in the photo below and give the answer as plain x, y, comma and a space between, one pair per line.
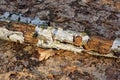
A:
77, 41
28, 31
99, 44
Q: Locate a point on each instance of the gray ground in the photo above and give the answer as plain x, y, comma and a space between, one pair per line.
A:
101, 17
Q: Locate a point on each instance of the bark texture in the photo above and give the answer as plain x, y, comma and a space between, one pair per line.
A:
58, 38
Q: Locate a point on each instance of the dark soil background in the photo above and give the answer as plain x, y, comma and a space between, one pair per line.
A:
101, 17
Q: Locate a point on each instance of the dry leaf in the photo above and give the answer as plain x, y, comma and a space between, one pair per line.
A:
45, 54
70, 68
50, 76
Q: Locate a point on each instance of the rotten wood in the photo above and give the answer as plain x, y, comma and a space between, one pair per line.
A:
56, 38
99, 44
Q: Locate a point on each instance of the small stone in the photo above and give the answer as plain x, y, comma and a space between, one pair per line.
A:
25, 19
37, 21
5, 15
14, 17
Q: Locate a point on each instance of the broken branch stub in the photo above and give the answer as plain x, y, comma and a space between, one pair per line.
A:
58, 38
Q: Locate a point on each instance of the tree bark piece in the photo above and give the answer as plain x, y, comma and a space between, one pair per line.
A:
58, 38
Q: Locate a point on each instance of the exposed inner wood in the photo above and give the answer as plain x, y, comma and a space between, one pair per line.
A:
77, 42
99, 44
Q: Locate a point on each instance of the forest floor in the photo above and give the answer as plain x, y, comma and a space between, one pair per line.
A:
101, 17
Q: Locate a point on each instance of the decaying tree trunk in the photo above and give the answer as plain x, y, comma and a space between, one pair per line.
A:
58, 38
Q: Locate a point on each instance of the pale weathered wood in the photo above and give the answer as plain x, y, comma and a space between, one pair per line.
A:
57, 38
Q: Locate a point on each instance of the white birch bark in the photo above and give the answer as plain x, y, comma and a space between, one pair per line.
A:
57, 38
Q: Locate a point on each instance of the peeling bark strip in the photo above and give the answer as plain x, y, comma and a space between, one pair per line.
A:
58, 38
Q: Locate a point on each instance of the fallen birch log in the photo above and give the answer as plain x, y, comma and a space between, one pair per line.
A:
16, 28
58, 38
